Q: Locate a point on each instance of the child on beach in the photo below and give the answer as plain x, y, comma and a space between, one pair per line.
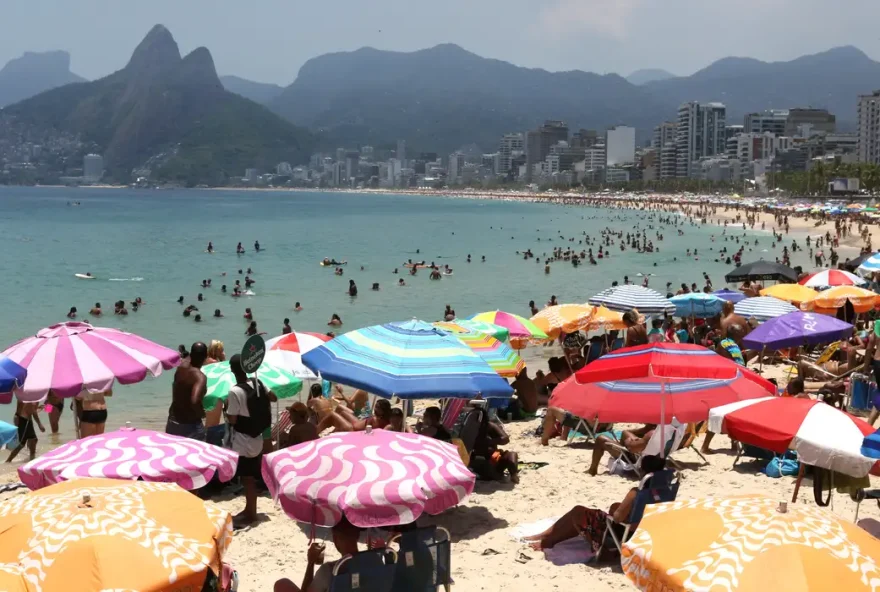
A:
26, 415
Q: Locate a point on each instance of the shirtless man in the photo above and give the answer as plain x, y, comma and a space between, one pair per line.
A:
302, 430
732, 325
187, 392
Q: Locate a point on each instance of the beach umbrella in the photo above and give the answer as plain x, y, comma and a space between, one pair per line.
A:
624, 298
831, 277
608, 320
8, 433
749, 543
519, 328
411, 359
375, 478
869, 265
796, 329
68, 358
763, 308
794, 293
284, 383
833, 298
564, 318
500, 356
871, 445
697, 304
467, 326
761, 270
653, 399
103, 534
286, 351
822, 435
130, 453
730, 295
853, 264
12, 376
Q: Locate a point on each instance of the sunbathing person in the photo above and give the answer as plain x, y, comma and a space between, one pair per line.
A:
345, 538
325, 415
635, 441
380, 419
590, 523
831, 371
301, 429
488, 461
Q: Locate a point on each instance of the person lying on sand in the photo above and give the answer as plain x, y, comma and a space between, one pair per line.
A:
635, 441
590, 523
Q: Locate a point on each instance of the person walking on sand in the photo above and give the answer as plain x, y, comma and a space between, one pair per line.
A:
26, 415
187, 393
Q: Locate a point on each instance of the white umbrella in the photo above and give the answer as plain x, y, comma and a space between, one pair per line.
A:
763, 308
623, 298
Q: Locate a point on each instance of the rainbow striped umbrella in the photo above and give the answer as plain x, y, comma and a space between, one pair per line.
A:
521, 329
466, 326
412, 360
500, 357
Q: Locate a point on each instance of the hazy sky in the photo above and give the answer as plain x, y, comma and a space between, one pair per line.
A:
268, 40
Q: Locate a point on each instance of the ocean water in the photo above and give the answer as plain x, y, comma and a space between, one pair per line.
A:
152, 244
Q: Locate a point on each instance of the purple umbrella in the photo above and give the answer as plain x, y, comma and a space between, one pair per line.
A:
729, 295
797, 328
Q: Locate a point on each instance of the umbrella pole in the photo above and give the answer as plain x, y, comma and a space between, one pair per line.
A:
662, 419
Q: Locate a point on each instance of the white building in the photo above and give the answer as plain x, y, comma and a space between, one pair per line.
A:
93, 167
771, 120
750, 147
284, 168
869, 128
615, 175
456, 168
620, 146
251, 175
511, 146
720, 169
594, 158
701, 134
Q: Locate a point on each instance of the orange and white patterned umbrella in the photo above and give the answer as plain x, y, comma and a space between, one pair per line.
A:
563, 318
101, 534
833, 298
605, 319
747, 543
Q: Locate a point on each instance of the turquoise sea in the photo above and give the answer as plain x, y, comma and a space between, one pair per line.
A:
152, 244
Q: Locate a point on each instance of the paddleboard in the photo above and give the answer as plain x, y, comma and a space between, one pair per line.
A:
83, 276
322, 264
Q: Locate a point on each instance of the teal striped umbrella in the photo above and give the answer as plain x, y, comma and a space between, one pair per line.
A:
220, 379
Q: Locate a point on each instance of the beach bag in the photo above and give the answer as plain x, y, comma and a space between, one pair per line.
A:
259, 410
786, 465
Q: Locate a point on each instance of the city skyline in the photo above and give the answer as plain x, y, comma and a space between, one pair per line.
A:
273, 44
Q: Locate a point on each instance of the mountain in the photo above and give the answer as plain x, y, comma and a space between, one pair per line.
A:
166, 111
640, 77
34, 73
444, 97
830, 80
258, 92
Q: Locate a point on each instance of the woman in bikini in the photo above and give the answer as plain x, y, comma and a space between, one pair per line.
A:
91, 408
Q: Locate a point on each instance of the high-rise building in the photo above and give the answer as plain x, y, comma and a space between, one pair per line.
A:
771, 120
352, 162
507, 149
620, 146
819, 120
401, 151
869, 128
539, 141
93, 167
753, 146
701, 133
584, 138
456, 167
664, 144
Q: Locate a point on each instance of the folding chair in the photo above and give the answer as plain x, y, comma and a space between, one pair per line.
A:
367, 571
465, 434
424, 560
597, 348
692, 432
629, 461
654, 488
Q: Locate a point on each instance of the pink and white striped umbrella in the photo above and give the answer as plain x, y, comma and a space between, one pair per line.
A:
375, 478
68, 358
831, 277
131, 453
286, 351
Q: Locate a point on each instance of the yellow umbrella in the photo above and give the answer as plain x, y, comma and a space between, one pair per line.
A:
833, 298
794, 293
101, 534
563, 318
746, 543
607, 320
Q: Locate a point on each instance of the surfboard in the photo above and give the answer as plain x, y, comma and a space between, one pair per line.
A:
83, 276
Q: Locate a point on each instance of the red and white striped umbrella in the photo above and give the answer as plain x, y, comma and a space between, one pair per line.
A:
286, 351
831, 277
822, 435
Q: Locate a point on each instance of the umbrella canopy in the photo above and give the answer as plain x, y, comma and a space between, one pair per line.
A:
796, 329
746, 543
763, 308
412, 360
831, 277
12, 375
871, 445
853, 264
70, 357
833, 298
500, 356
286, 351
794, 293
466, 326
624, 298
131, 453
653, 400
607, 320
518, 328
822, 435
102, 534
8, 433
729, 295
762, 270
697, 304
869, 265
283, 383
564, 318
374, 478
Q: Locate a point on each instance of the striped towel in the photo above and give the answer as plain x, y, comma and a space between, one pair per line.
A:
451, 412
282, 425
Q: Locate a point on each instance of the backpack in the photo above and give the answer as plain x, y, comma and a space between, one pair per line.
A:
259, 410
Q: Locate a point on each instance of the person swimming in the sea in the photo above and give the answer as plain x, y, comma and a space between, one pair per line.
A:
72, 313
400, 282
218, 314
335, 321
248, 315
96, 310
352, 288
297, 307
435, 275
239, 249
257, 246
180, 300
210, 247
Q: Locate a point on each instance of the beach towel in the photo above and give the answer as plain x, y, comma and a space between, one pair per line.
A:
533, 466
451, 412
572, 551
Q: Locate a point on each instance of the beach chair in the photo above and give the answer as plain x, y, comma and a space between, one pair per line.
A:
464, 436
654, 488
691, 433
597, 348
629, 461
617, 343
424, 560
367, 571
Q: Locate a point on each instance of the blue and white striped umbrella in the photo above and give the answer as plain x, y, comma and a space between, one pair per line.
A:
697, 304
869, 266
729, 295
11, 375
412, 360
623, 298
763, 308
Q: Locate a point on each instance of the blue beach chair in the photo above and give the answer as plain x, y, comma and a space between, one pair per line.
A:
424, 558
367, 571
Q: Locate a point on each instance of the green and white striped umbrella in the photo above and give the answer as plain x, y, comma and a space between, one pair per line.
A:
220, 379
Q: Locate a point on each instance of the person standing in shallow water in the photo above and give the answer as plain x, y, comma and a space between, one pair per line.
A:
186, 414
